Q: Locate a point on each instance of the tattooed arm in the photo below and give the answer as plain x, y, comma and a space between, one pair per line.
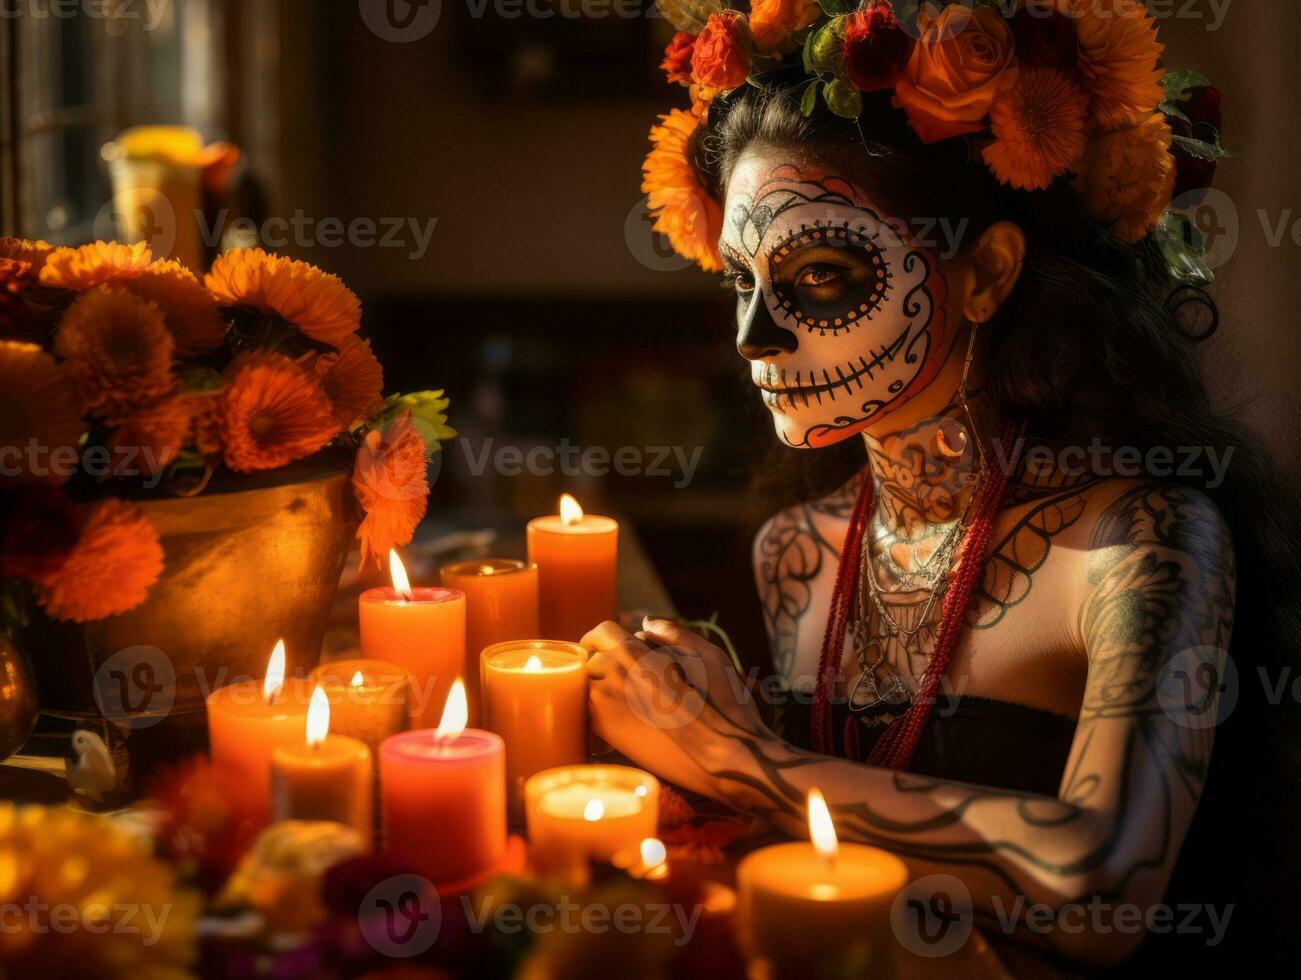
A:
1155, 617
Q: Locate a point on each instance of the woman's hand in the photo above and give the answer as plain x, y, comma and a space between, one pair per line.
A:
671, 701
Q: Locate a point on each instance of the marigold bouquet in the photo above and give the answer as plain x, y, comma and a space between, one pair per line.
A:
122, 375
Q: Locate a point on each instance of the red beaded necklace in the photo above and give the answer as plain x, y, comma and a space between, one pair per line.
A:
895, 748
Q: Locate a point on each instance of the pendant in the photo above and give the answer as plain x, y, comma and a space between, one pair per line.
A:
878, 688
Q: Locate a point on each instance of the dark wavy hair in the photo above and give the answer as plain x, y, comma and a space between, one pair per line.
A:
1098, 340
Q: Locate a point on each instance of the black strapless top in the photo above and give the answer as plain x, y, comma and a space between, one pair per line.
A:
970, 740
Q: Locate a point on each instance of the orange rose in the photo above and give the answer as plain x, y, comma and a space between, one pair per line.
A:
773, 21
721, 60
965, 59
1127, 177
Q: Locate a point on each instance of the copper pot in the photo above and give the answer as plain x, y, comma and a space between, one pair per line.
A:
17, 698
243, 570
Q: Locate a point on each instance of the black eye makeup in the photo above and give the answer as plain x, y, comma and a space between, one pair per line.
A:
828, 278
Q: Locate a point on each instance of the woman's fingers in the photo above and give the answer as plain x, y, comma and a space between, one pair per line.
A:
608, 634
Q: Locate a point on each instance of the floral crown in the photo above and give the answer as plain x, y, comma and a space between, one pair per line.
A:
1045, 90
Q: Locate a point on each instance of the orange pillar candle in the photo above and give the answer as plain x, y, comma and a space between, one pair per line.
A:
325, 776
581, 813
576, 555
535, 698
248, 719
420, 629
444, 796
369, 699
501, 603
823, 901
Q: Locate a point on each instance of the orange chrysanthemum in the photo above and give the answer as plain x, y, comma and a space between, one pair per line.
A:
20, 249
1126, 177
155, 433
1038, 129
390, 479
273, 412
315, 302
38, 411
683, 209
117, 349
1119, 57
190, 311
116, 559
353, 380
80, 269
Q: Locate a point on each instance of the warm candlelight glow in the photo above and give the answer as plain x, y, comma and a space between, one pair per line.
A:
571, 511
594, 811
456, 713
653, 852
318, 717
357, 680
533, 665
401, 584
275, 678
821, 829
487, 570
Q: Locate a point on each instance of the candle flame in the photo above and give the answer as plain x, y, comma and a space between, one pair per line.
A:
401, 584
653, 852
357, 680
487, 570
456, 712
821, 829
594, 811
571, 511
318, 717
275, 678
533, 665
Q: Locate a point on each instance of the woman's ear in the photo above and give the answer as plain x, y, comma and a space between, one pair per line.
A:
991, 271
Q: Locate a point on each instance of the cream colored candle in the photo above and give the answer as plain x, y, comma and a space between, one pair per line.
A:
535, 698
821, 902
581, 813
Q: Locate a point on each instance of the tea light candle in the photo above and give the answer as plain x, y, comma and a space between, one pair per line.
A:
501, 603
249, 719
324, 777
576, 555
820, 900
535, 698
369, 699
581, 813
444, 793
420, 629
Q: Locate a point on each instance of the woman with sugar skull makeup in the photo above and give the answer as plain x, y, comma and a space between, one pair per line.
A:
1005, 655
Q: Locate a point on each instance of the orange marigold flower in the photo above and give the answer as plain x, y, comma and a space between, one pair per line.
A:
315, 302
1038, 129
155, 433
683, 209
1127, 177
1119, 57
33, 252
273, 412
38, 411
390, 479
965, 59
773, 21
190, 310
117, 349
720, 59
353, 379
89, 266
116, 559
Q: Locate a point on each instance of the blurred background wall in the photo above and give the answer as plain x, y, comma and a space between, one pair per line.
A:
542, 301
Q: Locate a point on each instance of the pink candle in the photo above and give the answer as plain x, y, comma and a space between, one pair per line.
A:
444, 793
421, 629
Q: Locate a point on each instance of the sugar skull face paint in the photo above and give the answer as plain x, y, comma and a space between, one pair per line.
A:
841, 317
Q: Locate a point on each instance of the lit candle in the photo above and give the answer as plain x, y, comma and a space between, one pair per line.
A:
576, 555
501, 603
822, 901
444, 796
582, 813
325, 777
369, 699
420, 629
535, 698
249, 719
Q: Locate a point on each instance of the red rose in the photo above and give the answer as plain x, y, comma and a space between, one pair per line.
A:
876, 49
720, 60
1045, 38
677, 58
